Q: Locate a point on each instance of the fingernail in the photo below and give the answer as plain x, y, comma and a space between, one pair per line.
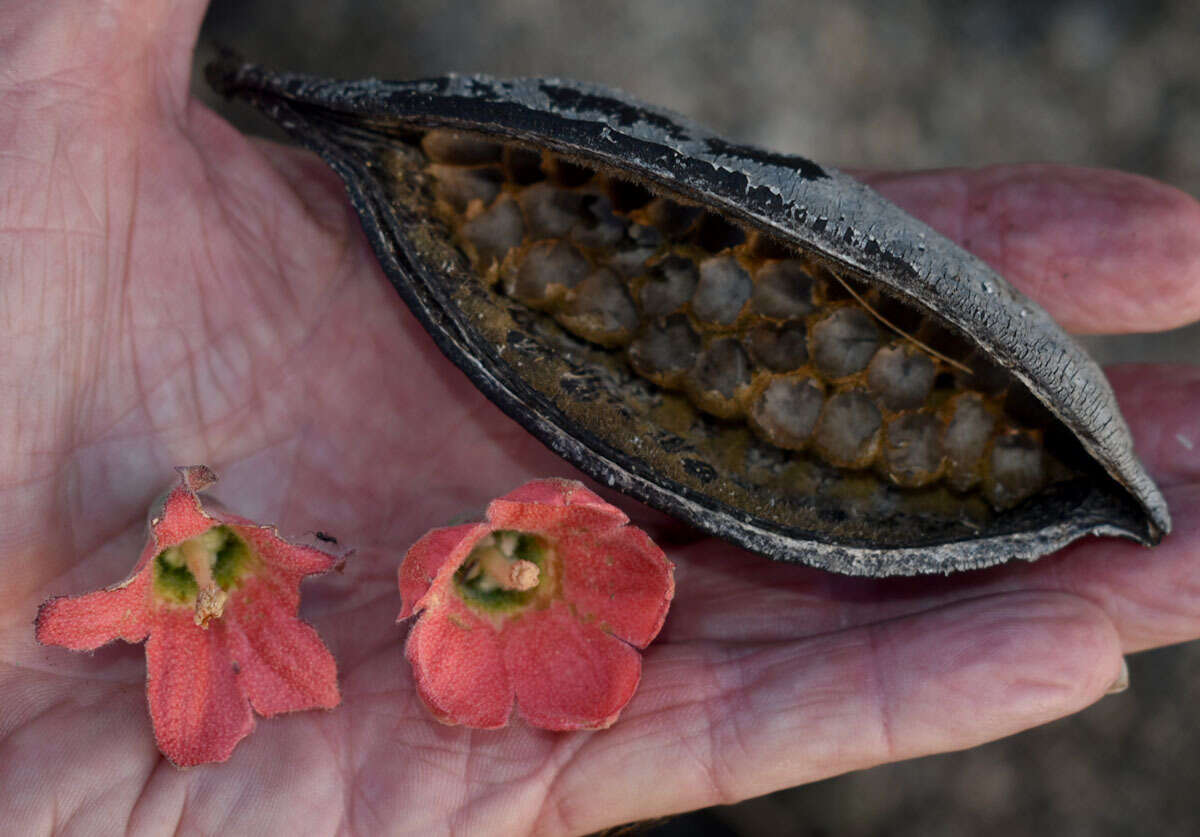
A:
1122, 682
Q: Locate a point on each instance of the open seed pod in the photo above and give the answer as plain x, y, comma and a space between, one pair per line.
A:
755, 343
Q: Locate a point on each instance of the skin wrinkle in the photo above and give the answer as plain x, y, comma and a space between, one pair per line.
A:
230, 210
194, 402
565, 754
463, 809
224, 210
882, 695
353, 790
127, 284
223, 386
714, 766
206, 239
723, 789
339, 749
87, 801
62, 799
103, 432
555, 804
183, 806
9, 722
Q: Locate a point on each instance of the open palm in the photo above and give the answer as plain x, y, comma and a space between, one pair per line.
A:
175, 293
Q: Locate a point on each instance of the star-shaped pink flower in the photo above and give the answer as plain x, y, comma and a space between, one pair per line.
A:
215, 596
544, 606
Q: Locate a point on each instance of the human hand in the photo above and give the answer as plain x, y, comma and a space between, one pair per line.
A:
174, 292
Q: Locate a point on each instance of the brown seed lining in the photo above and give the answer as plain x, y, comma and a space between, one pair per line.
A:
749, 329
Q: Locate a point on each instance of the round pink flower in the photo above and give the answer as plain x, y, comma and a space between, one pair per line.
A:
545, 605
215, 598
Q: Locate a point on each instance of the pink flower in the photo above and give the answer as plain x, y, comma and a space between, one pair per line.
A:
215, 597
544, 605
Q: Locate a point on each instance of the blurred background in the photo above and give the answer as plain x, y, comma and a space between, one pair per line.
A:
909, 84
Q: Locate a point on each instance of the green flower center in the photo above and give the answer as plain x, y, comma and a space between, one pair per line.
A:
507, 571
201, 570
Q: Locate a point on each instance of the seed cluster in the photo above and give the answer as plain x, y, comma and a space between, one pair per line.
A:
747, 328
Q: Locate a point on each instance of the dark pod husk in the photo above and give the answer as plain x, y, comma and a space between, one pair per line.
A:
791, 363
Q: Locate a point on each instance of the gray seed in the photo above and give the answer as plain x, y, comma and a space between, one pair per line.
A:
459, 149
550, 212
495, 231
723, 367
913, 450
1017, 470
786, 411
548, 270
901, 377
458, 186
601, 310
780, 348
965, 440
844, 342
782, 290
666, 345
598, 226
639, 245
723, 289
847, 432
668, 286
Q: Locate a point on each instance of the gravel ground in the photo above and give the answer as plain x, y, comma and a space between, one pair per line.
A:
923, 83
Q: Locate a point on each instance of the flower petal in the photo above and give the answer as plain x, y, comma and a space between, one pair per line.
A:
181, 515
620, 578
281, 663
199, 713
542, 504
84, 623
459, 667
438, 548
286, 560
567, 674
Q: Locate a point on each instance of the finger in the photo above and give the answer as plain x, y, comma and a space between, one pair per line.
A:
727, 721
126, 53
1152, 597
1161, 404
1102, 251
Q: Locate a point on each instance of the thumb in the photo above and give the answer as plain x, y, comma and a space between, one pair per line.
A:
119, 54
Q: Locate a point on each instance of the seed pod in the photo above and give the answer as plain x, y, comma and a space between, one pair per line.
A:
757, 344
